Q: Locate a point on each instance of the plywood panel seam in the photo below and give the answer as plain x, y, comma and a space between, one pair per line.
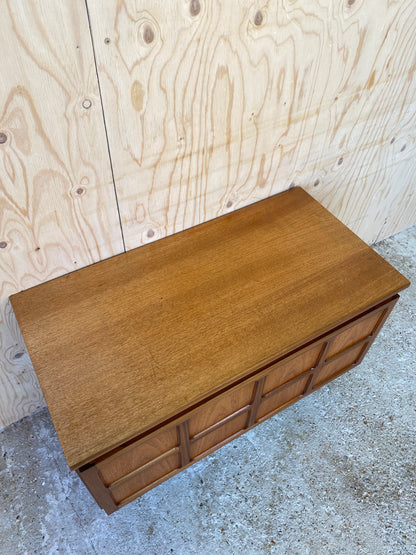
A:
105, 126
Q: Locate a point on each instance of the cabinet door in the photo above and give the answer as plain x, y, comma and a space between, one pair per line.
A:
119, 477
348, 347
220, 420
337, 352
287, 381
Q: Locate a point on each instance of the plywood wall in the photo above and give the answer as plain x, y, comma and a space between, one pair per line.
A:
57, 201
208, 105
211, 105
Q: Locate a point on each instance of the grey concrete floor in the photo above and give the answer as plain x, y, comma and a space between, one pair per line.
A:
335, 473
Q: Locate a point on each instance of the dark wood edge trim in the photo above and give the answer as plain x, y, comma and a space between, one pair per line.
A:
144, 466
95, 485
183, 437
218, 424
258, 393
320, 362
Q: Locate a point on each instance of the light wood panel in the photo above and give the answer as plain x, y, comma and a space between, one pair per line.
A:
211, 105
57, 205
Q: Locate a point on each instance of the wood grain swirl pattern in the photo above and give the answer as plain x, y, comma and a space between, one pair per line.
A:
57, 203
209, 106
210, 110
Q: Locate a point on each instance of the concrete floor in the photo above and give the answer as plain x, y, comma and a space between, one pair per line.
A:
335, 473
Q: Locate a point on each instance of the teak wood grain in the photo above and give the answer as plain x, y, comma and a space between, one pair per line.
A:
124, 345
129, 471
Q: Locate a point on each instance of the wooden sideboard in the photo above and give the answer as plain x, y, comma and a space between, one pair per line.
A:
154, 358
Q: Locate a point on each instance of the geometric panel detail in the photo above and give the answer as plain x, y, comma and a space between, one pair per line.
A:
354, 334
276, 401
137, 455
341, 363
286, 371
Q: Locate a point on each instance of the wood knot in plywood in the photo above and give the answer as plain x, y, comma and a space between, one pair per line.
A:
3, 138
148, 34
258, 18
194, 7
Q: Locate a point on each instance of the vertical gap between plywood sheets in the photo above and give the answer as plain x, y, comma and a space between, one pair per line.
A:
105, 126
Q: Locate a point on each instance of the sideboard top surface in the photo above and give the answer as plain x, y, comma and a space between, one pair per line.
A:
124, 344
